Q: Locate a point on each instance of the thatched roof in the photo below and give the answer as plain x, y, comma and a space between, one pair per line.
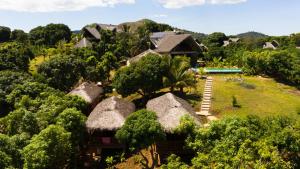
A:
140, 56
94, 32
88, 91
169, 110
109, 115
83, 43
169, 42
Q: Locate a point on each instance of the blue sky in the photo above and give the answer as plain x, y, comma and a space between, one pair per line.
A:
273, 17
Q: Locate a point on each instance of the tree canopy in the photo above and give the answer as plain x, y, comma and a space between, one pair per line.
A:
51, 148
4, 34
50, 34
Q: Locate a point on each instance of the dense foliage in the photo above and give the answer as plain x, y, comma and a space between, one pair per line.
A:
4, 34
141, 130
43, 127
19, 36
15, 56
178, 74
245, 143
50, 35
62, 71
145, 76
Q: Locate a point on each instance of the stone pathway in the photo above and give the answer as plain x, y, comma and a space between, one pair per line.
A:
206, 101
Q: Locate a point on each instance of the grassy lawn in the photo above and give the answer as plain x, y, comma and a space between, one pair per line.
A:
34, 63
264, 97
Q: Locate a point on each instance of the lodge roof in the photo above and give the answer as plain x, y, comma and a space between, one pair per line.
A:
83, 43
169, 42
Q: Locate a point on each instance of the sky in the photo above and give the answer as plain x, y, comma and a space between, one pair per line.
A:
272, 17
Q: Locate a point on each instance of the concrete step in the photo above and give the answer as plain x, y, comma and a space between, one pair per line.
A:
203, 113
205, 106
207, 100
212, 118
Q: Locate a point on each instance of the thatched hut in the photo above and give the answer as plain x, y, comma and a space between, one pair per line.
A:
90, 92
169, 110
109, 115
102, 124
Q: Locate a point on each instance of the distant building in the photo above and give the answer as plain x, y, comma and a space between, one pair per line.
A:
171, 43
90, 92
271, 45
84, 43
92, 34
156, 37
230, 41
140, 56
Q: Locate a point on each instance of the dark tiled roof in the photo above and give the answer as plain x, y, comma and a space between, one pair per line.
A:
83, 43
169, 42
94, 32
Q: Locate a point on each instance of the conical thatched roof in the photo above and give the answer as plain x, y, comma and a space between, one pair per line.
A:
88, 91
109, 115
169, 110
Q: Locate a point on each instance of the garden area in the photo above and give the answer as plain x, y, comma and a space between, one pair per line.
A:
255, 95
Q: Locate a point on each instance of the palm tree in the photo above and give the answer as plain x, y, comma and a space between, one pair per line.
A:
177, 75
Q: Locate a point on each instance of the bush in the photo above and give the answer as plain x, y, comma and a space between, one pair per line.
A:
235, 102
247, 85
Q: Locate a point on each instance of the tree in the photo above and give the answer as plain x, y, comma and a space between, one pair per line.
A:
19, 36
247, 143
50, 35
51, 148
10, 156
144, 77
73, 121
174, 162
62, 71
177, 75
15, 56
8, 81
215, 39
4, 34
20, 121
141, 130
31, 89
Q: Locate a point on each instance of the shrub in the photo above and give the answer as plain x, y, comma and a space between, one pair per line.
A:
235, 102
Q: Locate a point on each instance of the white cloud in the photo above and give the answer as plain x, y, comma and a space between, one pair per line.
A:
160, 16
57, 5
185, 3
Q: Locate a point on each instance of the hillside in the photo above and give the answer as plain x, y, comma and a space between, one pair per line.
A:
252, 35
